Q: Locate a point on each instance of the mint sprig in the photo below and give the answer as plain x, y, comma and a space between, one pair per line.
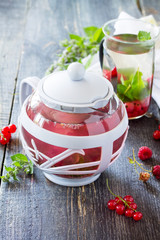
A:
133, 88
78, 47
143, 36
20, 163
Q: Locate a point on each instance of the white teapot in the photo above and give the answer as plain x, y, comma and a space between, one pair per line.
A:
72, 125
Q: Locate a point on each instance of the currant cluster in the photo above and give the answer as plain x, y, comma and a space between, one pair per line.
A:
6, 132
156, 133
125, 206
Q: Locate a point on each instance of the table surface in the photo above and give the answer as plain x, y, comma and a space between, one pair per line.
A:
35, 208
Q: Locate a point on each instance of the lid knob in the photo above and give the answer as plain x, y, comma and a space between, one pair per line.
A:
76, 71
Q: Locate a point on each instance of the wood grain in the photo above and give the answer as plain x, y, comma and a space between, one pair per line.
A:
12, 21
34, 208
150, 8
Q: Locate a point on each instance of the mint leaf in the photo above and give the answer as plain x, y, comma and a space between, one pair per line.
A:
133, 88
8, 169
20, 158
19, 163
143, 36
90, 31
98, 35
76, 37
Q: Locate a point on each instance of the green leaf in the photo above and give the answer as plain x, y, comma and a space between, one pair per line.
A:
8, 169
133, 88
143, 36
98, 35
19, 158
89, 31
31, 167
76, 37
15, 177
17, 164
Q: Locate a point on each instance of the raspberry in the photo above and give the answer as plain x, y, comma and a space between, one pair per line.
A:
156, 171
144, 176
144, 153
156, 135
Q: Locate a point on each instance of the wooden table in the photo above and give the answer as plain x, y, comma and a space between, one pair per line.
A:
34, 208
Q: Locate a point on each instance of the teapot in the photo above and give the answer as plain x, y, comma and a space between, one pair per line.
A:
72, 125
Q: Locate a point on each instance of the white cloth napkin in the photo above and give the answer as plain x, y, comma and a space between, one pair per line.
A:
95, 65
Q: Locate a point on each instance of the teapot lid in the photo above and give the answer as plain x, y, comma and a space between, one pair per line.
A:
75, 90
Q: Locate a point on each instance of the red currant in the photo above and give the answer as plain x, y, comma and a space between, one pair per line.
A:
156, 135
128, 198
137, 216
12, 128
118, 200
4, 139
132, 205
129, 213
5, 130
111, 204
120, 209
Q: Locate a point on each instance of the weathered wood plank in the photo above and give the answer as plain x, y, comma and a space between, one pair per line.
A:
38, 209
12, 21
150, 8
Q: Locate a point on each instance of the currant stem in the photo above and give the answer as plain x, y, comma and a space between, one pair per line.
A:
134, 161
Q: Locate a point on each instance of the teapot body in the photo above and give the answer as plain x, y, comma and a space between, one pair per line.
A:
72, 148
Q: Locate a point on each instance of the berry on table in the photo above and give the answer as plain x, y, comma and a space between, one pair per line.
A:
128, 199
118, 200
111, 204
5, 133
144, 153
4, 139
144, 176
132, 205
137, 216
12, 128
156, 134
156, 171
129, 213
120, 209
5, 130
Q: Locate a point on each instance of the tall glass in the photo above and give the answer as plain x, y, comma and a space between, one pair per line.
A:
132, 60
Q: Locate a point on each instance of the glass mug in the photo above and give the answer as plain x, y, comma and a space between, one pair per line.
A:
131, 60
